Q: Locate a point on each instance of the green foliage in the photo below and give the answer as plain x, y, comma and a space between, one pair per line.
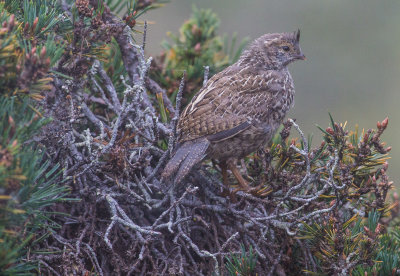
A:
38, 17
138, 8
386, 259
243, 264
359, 156
117, 6
24, 60
9, 53
13, 6
54, 49
198, 45
334, 242
45, 12
115, 67
362, 240
28, 184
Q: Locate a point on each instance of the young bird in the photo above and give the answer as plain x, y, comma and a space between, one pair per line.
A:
239, 109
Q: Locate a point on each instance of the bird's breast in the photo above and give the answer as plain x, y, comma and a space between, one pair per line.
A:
278, 98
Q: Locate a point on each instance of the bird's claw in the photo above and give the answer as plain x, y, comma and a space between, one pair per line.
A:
258, 191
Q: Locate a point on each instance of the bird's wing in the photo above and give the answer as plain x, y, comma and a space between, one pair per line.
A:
228, 133
228, 105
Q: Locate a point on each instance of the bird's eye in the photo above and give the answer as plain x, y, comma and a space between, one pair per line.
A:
286, 48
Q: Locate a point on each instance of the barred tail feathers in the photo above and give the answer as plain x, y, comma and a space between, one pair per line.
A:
186, 156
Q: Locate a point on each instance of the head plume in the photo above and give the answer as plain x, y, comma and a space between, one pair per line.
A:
297, 35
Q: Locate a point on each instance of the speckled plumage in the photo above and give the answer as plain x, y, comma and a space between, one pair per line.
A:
240, 108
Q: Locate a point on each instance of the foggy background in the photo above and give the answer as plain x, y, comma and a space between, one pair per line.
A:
352, 49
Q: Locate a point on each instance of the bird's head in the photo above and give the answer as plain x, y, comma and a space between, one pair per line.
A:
274, 51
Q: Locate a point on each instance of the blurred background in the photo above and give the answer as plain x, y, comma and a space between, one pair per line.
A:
352, 49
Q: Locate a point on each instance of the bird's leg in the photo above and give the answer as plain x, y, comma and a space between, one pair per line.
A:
244, 185
224, 170
226, 191
242, 182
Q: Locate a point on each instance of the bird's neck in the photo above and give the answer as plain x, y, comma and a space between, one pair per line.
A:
259, 69
259, 62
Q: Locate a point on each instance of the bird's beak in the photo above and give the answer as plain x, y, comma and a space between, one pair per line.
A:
301, 56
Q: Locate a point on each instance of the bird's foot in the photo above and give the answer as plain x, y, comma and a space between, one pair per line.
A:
260, 190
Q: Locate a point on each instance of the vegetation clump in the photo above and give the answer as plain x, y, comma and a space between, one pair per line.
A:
87, 123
